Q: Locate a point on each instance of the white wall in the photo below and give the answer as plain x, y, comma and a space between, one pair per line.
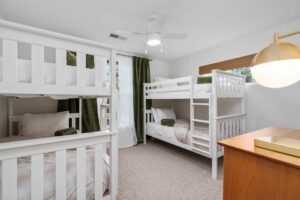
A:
159, 68
265, 106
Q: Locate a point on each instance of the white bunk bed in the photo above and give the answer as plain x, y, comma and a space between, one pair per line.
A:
34, 78
224, 85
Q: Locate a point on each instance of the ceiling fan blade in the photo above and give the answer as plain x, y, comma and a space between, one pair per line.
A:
130, 32
176, 36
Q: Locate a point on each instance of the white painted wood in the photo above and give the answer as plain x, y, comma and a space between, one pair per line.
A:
60, 67
15, 89
32, 35
81, 65
9, 179
10, 56
80, 115
60, 175
99, 172
100, 63
81, 173
37, 66
37, 177
113, 126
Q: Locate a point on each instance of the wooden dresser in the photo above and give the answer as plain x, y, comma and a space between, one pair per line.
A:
255, 173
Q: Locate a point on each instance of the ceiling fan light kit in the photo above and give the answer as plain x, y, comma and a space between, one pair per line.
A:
277, 65
153, 39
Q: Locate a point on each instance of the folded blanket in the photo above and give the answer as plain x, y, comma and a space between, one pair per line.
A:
167, 122
204, 79
181, 129
67, 131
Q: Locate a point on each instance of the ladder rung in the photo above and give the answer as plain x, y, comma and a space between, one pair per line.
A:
201, 121
201, 137
200, 104
200, 144
200, 150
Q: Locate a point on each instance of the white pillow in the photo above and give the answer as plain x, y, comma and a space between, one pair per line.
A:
44, 125
165, 113
154, 113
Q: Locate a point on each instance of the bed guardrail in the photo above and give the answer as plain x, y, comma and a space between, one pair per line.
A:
37, 75
229, 126
171, 85
226, 84
36, 150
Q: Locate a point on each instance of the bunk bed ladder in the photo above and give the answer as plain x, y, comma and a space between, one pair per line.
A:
199, 143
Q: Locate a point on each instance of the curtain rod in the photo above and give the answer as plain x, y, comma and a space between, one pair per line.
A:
129, 55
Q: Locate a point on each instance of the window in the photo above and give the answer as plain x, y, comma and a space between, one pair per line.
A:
237, 65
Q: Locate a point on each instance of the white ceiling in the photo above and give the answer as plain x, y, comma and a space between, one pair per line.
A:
207, 22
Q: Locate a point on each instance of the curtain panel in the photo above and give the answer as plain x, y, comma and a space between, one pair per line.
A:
141, 75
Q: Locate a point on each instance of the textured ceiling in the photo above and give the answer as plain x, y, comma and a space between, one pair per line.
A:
207, 23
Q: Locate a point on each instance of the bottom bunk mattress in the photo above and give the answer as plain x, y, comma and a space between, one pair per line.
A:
24, 173
180, 132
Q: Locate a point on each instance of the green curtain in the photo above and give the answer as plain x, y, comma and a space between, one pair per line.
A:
141, 74
90, 120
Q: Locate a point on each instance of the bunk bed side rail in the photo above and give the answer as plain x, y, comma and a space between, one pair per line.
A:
170, 85
228, 84
36, 150
43, 76
229, 126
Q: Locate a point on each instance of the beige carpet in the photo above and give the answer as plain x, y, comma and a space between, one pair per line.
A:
159, 171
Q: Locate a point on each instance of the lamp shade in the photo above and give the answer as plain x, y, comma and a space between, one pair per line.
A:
154, 39
277, 65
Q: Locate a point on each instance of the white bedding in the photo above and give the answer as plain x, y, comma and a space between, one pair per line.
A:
180, 133
49, 174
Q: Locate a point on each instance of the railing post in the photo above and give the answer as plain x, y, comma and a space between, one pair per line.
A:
10, 56
113, 126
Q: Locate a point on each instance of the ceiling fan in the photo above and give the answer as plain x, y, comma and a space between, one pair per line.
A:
154, 32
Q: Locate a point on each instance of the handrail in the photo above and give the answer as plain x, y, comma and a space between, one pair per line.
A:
230, 116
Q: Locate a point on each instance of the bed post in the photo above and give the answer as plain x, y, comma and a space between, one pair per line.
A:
144, 114
113, 127
214, 132
80, 116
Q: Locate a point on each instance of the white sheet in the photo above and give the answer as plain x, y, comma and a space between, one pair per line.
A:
24, 168
176, 133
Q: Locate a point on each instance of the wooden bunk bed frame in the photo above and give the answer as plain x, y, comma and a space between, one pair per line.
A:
10, 35
224, 85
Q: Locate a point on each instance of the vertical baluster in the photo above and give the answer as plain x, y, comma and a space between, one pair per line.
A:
9, 179
37, 177
81, 65
10, 57
60, 66
81, 173
238, 127
60, 175
99, 171
37, 60
73, 123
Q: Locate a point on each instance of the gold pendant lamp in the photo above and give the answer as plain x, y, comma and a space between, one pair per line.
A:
277, 65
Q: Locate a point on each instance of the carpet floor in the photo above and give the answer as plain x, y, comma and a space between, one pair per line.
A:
160, 171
